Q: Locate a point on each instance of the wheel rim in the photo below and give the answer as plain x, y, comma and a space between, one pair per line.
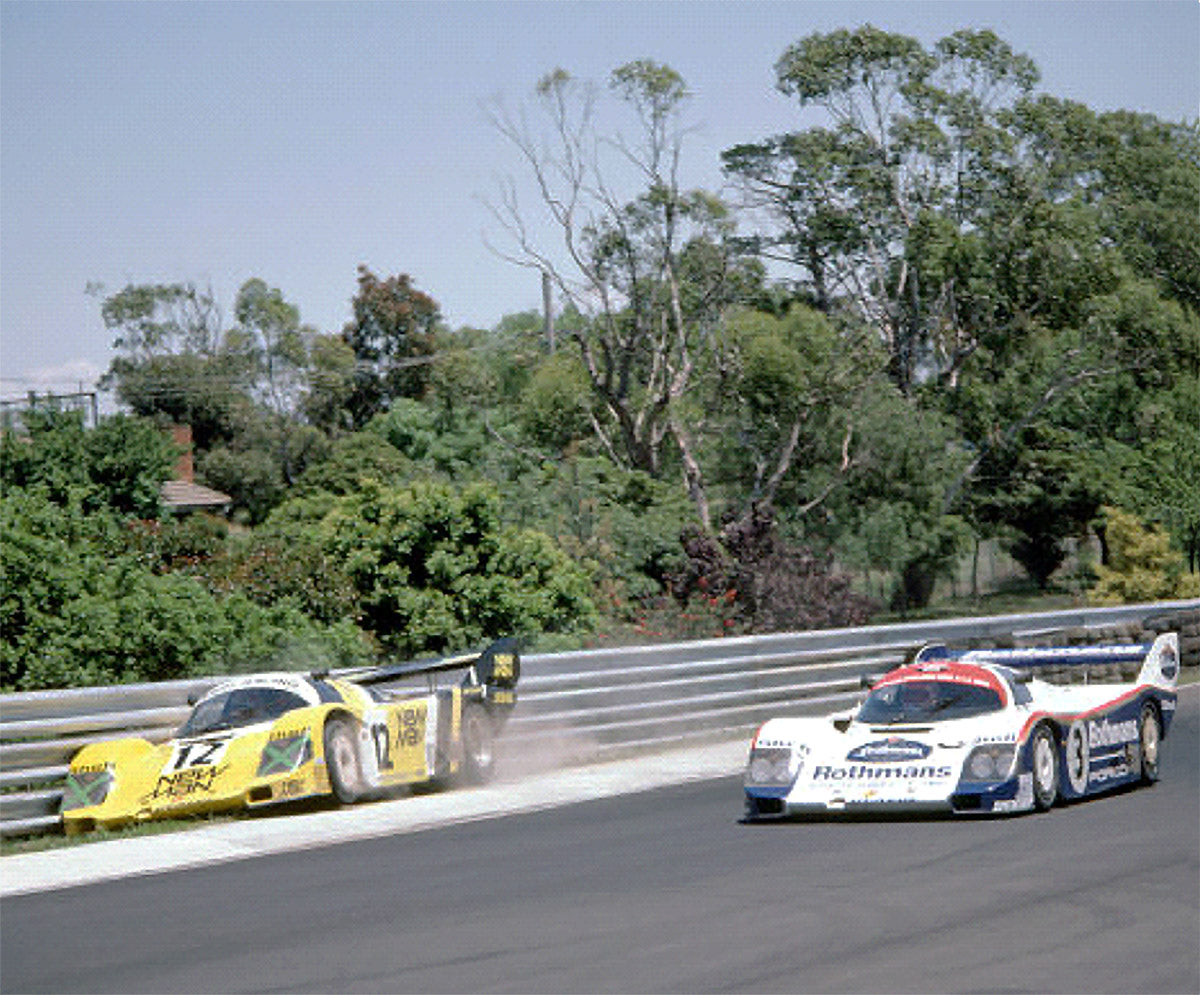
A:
345, 760
345, 756
1043, 764
1149, 743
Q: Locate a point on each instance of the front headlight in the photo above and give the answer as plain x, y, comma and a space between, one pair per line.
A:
990, 762
770, 767
285, 754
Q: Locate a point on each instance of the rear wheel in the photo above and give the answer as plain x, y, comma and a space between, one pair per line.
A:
341, 760
479, 739
1149, 738
1043, 751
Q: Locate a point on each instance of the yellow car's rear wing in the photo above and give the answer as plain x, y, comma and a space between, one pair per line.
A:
498, 666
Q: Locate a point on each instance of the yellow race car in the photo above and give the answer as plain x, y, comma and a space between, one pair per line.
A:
270, 738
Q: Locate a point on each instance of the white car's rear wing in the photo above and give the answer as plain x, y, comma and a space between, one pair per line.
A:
1158, 661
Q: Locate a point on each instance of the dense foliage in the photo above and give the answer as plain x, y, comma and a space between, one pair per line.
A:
982, 325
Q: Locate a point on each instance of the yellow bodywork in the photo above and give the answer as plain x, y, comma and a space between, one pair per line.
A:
130, 780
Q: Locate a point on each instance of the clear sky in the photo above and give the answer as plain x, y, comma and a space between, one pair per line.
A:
217, 141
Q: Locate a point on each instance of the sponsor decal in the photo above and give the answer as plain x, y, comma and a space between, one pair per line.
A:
1169, 665
1004, 737
865, 772
185, 783
1078, 757
890, 750
409, 733
411, 726
290, 789
282, 754
1109, 773
91, 768
1105, 733
785, 744
502, 666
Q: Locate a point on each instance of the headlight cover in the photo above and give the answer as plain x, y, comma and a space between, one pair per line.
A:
989, 762
86, 788
284, 755
771, 767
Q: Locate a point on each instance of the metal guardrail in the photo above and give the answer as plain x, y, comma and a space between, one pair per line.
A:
589, 704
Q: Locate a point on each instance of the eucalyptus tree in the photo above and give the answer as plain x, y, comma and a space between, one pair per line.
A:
646, 263
275, 345
170, 363
996, 241
908, 138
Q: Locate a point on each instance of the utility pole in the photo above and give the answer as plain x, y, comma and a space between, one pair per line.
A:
548, 309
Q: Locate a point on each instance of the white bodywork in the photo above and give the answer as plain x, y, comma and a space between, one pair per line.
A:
981, 762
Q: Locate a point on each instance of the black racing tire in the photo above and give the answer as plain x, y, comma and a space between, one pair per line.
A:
1149, 743
342, 760
479, 746
1043, 761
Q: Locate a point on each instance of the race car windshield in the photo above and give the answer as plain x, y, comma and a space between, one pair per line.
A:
926, 701
240, 707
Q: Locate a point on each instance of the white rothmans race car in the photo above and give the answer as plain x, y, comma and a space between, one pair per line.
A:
972, 731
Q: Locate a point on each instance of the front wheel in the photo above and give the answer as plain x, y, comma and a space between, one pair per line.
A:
341, 760
1043, 752
1149, 739
479, 739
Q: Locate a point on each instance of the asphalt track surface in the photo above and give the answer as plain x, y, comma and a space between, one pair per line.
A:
662, 891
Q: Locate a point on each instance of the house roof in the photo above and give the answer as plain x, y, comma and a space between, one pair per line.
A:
181, 495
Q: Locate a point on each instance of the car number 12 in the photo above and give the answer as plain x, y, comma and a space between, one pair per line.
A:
197, 753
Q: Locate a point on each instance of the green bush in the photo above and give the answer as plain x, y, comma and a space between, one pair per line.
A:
435, 570
74, 613
1142, 566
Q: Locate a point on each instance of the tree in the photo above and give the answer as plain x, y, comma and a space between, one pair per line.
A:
891, 515
996, 242
650, 272
275, 346
330, 385
170, 363
912, 132
80, 606
768, 584
788, 388
118, 466
554, 405
392, 334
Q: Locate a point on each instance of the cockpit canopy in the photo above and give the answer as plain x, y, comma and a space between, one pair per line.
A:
245, 706
922, 700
